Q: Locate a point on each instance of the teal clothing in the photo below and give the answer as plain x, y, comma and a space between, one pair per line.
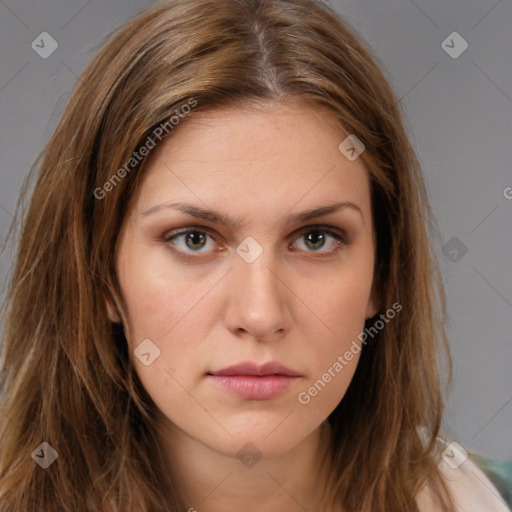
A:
498, 471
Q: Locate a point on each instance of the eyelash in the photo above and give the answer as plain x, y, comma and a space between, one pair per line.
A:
338, 235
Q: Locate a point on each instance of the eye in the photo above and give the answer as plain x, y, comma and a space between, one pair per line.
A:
315, 238
194, 239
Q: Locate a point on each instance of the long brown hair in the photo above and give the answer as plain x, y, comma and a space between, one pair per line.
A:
66, 373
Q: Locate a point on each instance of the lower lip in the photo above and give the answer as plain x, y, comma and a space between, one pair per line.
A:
252, 387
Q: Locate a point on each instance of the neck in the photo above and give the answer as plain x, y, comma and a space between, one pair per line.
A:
209, 481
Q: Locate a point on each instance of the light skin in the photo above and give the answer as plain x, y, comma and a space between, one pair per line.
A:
301, 302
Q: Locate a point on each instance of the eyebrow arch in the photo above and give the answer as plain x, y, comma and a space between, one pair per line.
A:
237, 223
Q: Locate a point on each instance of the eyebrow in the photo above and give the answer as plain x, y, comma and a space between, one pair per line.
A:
237, 223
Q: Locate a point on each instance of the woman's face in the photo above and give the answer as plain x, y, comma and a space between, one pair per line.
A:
253, 283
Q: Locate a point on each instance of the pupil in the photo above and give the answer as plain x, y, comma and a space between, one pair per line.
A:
318, 235
191, 237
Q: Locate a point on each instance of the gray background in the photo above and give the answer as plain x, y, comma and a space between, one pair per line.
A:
459, 117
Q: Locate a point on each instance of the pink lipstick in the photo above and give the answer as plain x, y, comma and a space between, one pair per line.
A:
253, 382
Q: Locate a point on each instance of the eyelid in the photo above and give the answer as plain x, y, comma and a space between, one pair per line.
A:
339, 234
331, 230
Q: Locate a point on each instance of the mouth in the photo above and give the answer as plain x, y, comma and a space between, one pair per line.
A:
253, 382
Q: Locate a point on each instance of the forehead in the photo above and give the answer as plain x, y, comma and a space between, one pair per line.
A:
249, 156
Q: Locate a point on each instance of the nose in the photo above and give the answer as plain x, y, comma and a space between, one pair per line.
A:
258, 300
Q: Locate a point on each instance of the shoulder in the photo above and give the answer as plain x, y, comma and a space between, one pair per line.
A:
498, 471
476, 482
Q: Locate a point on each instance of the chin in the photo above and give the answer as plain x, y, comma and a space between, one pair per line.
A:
267, 442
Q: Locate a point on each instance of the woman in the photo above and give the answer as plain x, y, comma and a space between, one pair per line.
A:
224, 296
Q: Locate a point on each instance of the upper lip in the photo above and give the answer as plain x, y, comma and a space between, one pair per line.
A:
249, 368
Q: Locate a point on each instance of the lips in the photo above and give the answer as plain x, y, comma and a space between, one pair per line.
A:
252, 382
248, 368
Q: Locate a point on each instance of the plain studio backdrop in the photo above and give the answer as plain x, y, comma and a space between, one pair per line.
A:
451, 66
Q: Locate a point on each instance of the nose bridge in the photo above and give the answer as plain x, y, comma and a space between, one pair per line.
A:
257, 271
257, 291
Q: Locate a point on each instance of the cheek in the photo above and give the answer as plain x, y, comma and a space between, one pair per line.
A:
154, 297
170, 306
339, 303
334, 330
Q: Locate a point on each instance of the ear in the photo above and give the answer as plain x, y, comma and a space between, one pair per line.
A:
112, 311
